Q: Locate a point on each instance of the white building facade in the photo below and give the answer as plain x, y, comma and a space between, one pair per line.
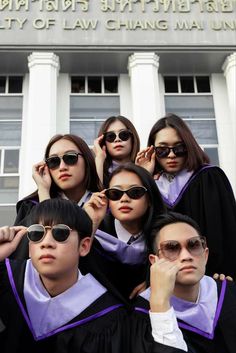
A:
66, 66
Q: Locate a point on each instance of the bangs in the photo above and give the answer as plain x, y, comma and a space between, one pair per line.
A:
58, 211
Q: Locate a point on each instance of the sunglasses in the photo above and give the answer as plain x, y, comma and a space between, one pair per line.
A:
123, 135
69, 158
37, 232
171, 249
135, 193
164, 151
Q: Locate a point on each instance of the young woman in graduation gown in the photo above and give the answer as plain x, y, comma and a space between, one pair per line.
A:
68, 171
118, 256
117, 143
189, 184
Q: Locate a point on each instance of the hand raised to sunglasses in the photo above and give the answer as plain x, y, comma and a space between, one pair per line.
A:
96, 208
10, 237
100, 155
162, 280
146, 158
42, 178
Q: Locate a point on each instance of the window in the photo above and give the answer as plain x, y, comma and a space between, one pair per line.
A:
93, 100
10, 141
94, 84
190, 98
187, 84
11, 84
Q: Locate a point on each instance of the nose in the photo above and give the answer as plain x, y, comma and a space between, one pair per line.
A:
185, 255
125, 198
48, 241
63, 165
117, 138
171, 154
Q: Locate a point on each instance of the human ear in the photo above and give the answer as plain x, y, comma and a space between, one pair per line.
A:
84, 246
152, 259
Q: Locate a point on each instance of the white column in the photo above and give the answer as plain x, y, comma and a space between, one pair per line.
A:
229, 68
145, 93
39, 117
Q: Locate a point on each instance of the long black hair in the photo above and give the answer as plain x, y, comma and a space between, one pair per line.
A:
156, 204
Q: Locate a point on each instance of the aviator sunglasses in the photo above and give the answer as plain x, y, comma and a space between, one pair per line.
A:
69, 158
135, 193
123, 135
171, 249
164, 151
36, 232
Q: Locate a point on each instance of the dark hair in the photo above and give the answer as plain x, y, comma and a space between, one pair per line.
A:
92, 182
135, 140
58, 211
156, 203
196, 157
165, 219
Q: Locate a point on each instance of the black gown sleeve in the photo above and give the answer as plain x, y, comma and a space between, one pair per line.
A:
210, 201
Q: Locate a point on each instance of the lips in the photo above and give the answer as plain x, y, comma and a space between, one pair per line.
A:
186, 268
118, 147
125, 209
64, 176
46, 256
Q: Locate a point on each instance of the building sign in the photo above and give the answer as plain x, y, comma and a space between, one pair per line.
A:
117, 22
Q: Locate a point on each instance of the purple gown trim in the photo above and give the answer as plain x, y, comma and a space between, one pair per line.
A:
62, 328
173, 204
194, 329
218, 311
134, 254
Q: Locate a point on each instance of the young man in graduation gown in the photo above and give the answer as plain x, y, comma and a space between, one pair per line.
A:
46, 305
205, 309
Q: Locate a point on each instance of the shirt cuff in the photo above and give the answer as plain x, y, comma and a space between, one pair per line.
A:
165, 329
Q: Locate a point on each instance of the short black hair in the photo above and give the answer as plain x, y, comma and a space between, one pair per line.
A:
165, 219
57, 211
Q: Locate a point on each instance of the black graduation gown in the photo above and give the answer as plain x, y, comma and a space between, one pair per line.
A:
208, 199
224, 340
119, 278
108, 333
23, 218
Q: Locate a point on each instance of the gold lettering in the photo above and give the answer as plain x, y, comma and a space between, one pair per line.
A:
5, 3
226, 6
80, 24
212, 6
20, 3
66, 4
188, 25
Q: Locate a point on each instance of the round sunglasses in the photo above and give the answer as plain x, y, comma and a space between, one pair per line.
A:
135, 193
69, 158
36, 232
164, 151
123, 135
171, 249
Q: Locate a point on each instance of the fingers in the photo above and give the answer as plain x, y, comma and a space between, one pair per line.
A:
8, 234
98, 199
222, 277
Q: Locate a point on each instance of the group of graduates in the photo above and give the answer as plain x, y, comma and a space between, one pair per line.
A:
116, 250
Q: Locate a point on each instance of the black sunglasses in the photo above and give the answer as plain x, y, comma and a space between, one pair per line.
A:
123, 135
135, 193
171, 249
164, 151
69, 158
37, 232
